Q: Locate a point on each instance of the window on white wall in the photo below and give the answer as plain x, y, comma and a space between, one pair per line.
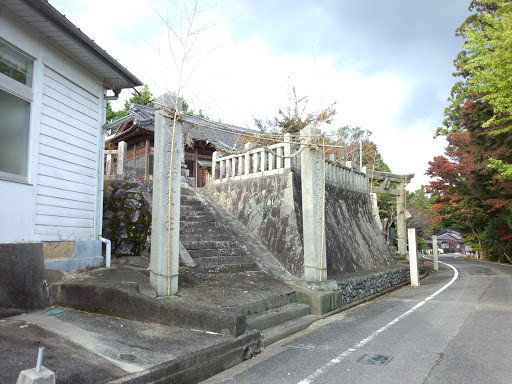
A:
16, 71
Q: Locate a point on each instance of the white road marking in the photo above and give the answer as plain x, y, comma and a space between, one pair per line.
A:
338, 359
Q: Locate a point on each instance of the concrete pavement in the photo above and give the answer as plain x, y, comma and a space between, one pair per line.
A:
108, 326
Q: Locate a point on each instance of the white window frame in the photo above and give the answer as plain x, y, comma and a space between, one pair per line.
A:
23, 92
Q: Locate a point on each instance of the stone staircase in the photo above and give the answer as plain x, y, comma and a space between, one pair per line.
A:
215, 250
210, 245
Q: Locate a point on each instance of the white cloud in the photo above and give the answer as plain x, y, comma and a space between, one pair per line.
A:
235, 79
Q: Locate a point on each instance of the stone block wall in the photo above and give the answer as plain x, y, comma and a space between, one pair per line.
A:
271, 208
127, 216
354, 242
357, 288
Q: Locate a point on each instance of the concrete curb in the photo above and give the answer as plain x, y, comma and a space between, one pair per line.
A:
201, 365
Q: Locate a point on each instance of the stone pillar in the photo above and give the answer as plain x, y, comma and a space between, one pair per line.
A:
315, 259
122, 148
215, 155
401, 223
413, 258
165, 233
435, 253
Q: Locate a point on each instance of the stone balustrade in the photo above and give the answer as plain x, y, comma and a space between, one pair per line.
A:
346, 176
120, 155
258, 162
255, 162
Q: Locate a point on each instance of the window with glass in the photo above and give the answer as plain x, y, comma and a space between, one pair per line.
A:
140, 167
16, 71
15, 65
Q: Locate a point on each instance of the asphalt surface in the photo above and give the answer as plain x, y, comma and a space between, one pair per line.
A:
455, 328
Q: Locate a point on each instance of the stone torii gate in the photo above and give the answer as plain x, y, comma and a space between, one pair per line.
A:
385, 179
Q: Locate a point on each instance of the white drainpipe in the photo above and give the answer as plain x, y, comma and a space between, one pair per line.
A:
99, 204
108, 251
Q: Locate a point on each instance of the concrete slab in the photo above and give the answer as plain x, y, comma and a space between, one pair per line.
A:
92, 348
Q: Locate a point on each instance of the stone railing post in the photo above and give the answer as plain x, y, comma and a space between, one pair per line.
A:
229, 163
287, 150
240, 165
108, 166
122, 148
222, 169
215, 156
165, 234
248, 147
312, 163
279, 159
270, 161
264, 155
256, 161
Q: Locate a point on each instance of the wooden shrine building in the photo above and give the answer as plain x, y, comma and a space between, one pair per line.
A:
202, 138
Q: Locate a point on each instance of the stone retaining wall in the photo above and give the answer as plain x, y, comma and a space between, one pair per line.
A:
127, 216
270, 208
357, 288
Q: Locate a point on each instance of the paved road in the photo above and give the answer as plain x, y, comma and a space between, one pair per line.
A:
455, 328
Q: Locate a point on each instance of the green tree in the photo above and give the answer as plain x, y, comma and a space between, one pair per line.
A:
469, 193
489, 63
294, 118
142, 97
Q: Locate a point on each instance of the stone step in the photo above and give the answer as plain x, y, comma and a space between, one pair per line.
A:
200, 253
192, 216
186, 236
276, 316
187, 208
238, 267
198, 225
217, 260
210, 244
282, 331
190, 202
201, 230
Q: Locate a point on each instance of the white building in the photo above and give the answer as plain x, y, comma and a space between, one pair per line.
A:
53, 84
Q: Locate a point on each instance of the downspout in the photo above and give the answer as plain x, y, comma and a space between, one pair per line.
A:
99, 212
108, 251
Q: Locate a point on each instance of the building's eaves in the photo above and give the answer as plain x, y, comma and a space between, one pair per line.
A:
71, 41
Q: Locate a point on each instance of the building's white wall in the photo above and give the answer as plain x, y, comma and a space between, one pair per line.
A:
60, 200
68, 156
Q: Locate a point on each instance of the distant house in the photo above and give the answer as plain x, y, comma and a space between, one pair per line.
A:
202, 138
449, 241
53, 84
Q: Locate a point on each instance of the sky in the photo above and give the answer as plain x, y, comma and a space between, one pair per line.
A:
387, 64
